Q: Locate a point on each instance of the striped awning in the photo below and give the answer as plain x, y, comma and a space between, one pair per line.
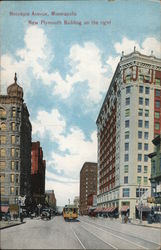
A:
4, 209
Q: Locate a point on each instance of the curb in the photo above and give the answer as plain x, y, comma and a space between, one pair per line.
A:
146, 226
17, 224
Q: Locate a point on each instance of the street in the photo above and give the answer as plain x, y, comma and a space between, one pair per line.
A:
86, 233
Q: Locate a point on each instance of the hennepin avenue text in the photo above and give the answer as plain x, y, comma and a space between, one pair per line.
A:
58, 22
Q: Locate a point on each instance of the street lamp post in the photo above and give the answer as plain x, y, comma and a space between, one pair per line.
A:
39, 207
140, 205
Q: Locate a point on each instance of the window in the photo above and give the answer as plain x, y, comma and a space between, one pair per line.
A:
139, 145
12, 152
146, 135
157, 82
145, 169
12, 190
140, 112
145, 180
139, 169
126, 192
145, 158
157, 126
17, 191
2, 190
127, 135
126, 157
146, 124
2, 139
13, 112
139, 157
146, 101
2, 152
140, 123
17, 178
2, 165
13, 139
13, 126
127, 112
157, 115
127, 124
141, 78
2, 113
138, 179
157, 104
128, 77
126, 169
147, 78
141, 89
146, 146
147, 90
12, 178
126, 146
157, 92
146, 113
127, 102
140, 100
140, 134
3, 127
17, 165
125, 179
12, 165
128, 90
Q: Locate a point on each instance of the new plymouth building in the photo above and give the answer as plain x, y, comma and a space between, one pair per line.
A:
129, 119
15, 146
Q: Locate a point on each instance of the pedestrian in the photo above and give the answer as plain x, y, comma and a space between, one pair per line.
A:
21, 217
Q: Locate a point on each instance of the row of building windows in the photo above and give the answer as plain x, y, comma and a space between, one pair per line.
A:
14, 165
140, 124
15, 152
126, 157
139, 191
15, 112
141, 102
13, 126
139, 180
139, 146
14, 139
13, 191
139, 169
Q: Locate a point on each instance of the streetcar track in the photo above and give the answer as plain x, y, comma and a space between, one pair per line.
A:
131, 235
119, 237
78, 238
100, 238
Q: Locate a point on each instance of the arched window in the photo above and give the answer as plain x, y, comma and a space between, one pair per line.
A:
3, 127
2, 113
2, 152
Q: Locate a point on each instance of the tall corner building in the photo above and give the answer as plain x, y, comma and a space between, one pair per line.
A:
88, 184
129, 119
15, 146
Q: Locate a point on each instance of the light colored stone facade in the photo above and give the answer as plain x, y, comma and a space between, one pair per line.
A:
133, 92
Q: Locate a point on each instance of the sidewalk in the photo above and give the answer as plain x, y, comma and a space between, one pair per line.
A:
145, 224
12, 223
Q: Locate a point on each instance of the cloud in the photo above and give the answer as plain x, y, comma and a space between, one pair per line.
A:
86, 66
127, 45
74, 148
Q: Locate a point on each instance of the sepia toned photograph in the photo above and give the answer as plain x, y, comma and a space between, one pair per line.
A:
80, 124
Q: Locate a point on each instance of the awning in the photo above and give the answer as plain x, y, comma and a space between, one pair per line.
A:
99, 209
124, 208
4, 209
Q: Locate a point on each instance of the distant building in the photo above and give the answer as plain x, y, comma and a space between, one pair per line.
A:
38, 173
76, 201
15, 146
88, 184
156, 171
50, 199
129, 119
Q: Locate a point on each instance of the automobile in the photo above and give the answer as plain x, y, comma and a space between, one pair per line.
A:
46, 214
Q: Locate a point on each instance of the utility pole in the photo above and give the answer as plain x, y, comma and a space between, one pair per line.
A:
140, 205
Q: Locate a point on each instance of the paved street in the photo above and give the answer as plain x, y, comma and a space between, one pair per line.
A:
86, 233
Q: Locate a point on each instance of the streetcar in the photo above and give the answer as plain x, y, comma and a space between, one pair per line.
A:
70, 212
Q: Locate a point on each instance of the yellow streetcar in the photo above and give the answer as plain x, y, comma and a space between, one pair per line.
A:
70, 212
